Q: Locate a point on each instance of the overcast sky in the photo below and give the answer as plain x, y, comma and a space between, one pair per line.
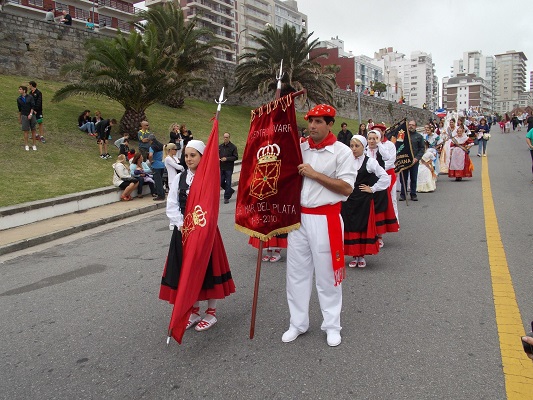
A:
444, 28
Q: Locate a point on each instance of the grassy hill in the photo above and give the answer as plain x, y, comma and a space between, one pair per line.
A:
69, 161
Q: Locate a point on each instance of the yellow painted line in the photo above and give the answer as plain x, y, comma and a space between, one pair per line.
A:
517, 368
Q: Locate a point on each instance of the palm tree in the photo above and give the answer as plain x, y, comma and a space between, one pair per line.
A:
257, 72
141, 69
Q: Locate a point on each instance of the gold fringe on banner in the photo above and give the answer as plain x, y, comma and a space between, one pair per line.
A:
270, 235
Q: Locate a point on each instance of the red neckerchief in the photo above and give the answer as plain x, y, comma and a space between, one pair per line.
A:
329, 140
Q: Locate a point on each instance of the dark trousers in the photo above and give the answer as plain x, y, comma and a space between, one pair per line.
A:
404, 177
158, 179
142, 183
225, 183
531, 151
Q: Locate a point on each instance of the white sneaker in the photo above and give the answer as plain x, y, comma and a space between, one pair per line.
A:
27, 148
291, 335
334, 338
34, 148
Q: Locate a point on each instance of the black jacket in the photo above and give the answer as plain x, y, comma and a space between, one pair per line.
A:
230, 152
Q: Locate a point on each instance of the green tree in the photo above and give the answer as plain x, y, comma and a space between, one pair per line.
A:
143, 68
258, 67
379, 87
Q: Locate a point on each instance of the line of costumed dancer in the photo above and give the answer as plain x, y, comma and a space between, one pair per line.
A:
369, 212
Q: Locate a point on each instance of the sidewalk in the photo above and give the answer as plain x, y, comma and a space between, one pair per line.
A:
33, 234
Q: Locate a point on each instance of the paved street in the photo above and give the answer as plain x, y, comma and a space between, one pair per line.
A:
81, 319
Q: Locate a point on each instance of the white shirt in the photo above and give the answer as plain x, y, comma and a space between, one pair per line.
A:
173, 167
373, 167
334, 161
388, 153
173, 206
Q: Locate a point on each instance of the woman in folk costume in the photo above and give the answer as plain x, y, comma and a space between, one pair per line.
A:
427, 177
360, 232
272, 247
432, 139
460, 164
443, 146
217, 282
386, 220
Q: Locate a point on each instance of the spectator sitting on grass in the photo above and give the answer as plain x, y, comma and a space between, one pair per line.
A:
85, 123
131, 154
119, 141
124, 148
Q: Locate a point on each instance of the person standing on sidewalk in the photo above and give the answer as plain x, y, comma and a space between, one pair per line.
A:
317, 246
155, 156
418, 147
27, 120
38, 98
227, 153
529, 141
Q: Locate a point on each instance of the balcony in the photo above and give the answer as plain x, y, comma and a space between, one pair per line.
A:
117, 9
257, 5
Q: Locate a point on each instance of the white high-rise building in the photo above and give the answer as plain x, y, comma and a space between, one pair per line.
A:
417, 74
510, 80
474, 62
238, 20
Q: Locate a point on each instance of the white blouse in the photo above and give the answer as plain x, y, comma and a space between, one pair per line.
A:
388, 153
173, 206
373, 167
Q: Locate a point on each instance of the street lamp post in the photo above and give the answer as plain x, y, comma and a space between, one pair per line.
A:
387, 70
237, 47
358, 83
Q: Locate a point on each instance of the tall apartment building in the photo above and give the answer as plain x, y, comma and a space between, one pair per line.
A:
510, 80
256, 15
417, 74
389, 61
236, 21
368, 71
466, 91
473, 62
108, 15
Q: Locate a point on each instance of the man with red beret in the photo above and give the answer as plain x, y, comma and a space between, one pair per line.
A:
328, 171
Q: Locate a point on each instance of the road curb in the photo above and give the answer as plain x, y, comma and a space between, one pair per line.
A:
48, 237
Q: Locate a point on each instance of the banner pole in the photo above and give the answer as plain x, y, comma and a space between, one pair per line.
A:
256, 288
404, 187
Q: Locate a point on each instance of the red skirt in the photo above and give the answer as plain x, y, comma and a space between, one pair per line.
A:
217, 284
466, 172
279, 241
363, 243
386, 221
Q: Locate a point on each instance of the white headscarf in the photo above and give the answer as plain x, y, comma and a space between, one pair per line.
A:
361, 139
197, 145
377, 132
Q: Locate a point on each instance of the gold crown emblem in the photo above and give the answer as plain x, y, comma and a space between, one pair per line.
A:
198, 216
268, 153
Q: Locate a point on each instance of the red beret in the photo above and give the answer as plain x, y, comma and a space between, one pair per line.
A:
321, 110
381, 127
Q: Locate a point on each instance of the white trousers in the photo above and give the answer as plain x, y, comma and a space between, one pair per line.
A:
308, 251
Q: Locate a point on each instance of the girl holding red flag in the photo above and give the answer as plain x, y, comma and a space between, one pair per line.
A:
218, 282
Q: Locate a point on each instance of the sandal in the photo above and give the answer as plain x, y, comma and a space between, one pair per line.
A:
125, 198
194, 318
276, 257
353, 263
207, 321
380, 242
361, 263
267, 256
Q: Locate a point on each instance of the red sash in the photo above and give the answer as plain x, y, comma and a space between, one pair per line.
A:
332, 211
328, 140
392, 178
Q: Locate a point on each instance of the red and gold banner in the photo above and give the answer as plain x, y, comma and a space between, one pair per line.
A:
268, 200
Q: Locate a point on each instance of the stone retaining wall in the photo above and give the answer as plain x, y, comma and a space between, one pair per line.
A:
38, 49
